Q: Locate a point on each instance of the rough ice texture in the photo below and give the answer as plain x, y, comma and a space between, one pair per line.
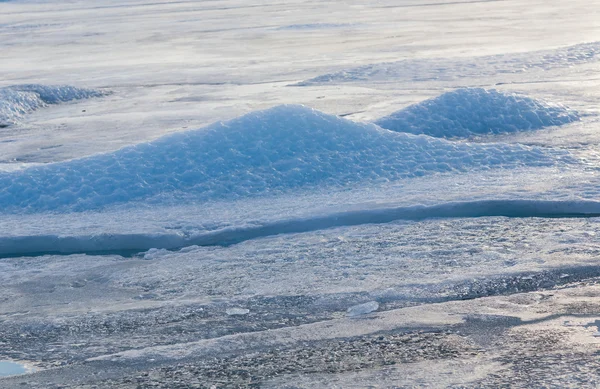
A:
267, 152
18, 100
475, 111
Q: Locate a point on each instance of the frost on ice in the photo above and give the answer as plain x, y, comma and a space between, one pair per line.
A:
474, 111
266, 152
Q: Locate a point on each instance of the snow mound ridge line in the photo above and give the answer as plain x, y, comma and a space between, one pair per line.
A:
476, 111
19, 100
129, 244
269, 152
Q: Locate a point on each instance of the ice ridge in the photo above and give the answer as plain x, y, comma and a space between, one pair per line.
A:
266, 152
19, 100
132, 243
476, 111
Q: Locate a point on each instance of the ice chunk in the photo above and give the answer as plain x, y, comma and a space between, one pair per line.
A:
469, 111
155, 253
362, 309
268, 152
18, 100
237, 311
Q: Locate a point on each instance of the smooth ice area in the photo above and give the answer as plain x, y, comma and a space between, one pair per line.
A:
477, 111
11, 368
263, 153
19, 100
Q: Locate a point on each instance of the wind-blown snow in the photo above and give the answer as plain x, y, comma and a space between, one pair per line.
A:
267, 152
469, 111
19, 100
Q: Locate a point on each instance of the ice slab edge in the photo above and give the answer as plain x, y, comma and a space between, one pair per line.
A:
127, 244
476, 111
268, 152
19, 100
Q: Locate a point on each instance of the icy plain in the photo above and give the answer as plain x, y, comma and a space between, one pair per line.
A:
300, 194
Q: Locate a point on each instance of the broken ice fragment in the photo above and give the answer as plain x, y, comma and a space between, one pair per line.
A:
362, 309
237, 311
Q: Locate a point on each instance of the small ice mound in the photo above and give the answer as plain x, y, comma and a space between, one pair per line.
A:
270, 152
362, 309
19, 100
476, 111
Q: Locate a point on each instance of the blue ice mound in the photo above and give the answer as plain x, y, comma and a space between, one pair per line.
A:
476, 111
18, 100
267, 152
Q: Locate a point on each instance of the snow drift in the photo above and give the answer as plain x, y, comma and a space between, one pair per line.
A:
272, 151
476, 111
18, 100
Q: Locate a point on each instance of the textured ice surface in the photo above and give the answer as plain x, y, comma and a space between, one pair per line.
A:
458, 68
469, 111
18, 100
266, 152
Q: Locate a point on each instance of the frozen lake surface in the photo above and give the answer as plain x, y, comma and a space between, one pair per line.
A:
299, 194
